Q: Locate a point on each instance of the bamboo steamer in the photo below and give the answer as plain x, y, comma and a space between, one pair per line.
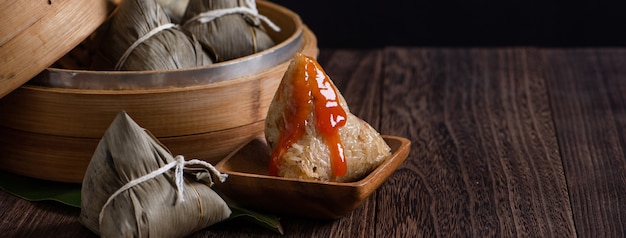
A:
50, 127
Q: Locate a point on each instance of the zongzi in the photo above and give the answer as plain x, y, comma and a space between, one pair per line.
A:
228, 28
312, 133
141, 36
134, 187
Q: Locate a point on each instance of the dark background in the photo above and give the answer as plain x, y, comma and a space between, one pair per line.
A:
367, 24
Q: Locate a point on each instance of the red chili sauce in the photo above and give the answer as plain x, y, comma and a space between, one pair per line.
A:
312, 85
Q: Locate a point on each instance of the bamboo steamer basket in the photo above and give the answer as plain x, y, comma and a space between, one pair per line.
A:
50, 127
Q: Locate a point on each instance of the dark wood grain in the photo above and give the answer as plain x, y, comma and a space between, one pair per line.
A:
588, 88
20, 218
506, 142
485, 159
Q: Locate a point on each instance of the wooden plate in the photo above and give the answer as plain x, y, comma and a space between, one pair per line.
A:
249, 184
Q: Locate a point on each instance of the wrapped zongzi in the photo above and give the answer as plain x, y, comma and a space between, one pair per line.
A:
228, 28
141, 36
134, 187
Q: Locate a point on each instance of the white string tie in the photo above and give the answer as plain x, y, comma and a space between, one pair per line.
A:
250, 9
141, 39
179, 165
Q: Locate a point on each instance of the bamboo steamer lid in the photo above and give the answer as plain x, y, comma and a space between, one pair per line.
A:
34, 34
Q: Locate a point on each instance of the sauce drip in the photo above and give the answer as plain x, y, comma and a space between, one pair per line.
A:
312, 85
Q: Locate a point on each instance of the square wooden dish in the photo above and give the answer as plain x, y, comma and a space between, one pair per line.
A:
250, 186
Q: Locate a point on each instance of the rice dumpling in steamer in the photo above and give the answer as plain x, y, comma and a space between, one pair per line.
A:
229, 29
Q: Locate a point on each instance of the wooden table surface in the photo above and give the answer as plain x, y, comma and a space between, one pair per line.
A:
506, 142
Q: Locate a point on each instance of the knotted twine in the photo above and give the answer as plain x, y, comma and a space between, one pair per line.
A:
141, 39
179, 166
205, 17
249, 8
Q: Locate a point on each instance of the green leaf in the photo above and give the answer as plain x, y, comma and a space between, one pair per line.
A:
39, 190
264, 220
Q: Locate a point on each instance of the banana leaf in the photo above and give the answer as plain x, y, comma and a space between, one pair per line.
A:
32, 189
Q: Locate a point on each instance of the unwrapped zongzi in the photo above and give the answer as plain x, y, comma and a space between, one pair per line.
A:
312, 133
